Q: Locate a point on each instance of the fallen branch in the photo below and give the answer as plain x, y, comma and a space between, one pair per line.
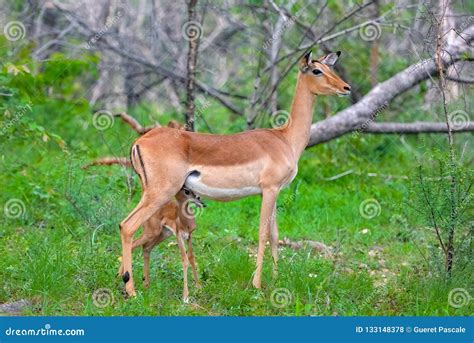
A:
460, 79
15, 307
108, 161
415, 127
314, 245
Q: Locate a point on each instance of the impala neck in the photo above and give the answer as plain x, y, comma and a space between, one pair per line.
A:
299, 127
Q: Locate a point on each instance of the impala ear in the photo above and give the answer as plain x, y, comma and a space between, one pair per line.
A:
330, 59
305, 61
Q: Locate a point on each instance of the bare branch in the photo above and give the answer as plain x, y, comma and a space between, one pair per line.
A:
151, 66
459, 79
107, 161
415, 127
134, 124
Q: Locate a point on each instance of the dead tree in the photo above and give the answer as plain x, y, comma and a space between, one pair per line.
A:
193, 34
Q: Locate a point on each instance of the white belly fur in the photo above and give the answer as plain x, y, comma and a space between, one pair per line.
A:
195, 183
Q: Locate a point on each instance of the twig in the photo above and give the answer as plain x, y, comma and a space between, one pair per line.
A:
134, 124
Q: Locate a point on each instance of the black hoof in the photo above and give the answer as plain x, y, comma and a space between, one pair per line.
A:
126, 277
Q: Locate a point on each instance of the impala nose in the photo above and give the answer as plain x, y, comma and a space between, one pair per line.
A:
347, 88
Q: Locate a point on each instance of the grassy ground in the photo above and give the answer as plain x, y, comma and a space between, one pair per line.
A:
62, 245
66, 244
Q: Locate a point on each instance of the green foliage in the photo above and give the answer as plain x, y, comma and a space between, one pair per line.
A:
442, 195
64, 246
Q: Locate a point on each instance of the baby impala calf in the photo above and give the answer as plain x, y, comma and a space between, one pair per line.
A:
175, 217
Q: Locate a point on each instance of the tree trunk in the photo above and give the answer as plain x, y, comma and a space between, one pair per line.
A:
191, 65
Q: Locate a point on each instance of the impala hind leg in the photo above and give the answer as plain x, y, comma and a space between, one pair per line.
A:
146, 264
185, 263
147, 248
140, 241
192, 261
144, 210
269, 196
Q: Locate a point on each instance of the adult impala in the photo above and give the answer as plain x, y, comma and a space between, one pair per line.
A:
229, 167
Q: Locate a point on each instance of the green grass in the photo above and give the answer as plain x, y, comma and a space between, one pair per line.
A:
57, 259
66, 244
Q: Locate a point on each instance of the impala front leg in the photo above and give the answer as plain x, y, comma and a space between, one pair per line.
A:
274, 240
269, 196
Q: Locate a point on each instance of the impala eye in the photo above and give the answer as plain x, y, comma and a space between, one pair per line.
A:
317, 72
186, 192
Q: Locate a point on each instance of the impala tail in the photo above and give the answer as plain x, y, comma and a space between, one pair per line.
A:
137, 163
